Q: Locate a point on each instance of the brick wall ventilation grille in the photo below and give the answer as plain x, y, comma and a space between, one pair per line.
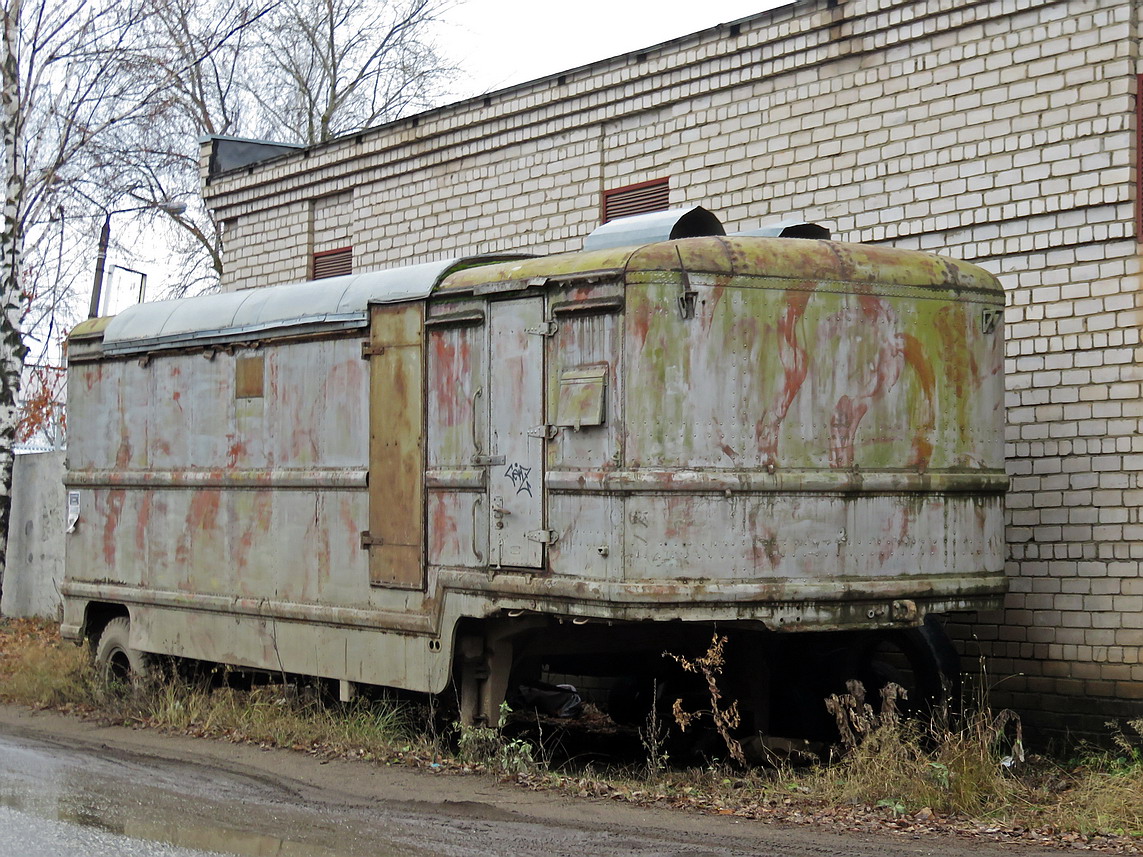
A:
333, 263
636, 199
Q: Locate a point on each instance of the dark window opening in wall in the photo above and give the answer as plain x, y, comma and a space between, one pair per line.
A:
639, 198
332, 263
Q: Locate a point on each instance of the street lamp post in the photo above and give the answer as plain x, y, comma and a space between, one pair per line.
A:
171, 207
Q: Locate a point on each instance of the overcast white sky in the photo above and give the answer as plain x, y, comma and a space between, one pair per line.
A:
497, 43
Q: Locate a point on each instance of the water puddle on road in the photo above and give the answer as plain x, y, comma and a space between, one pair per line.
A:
143, 802
212, 840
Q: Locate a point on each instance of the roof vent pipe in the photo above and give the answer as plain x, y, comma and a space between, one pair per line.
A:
693, 222
786, 229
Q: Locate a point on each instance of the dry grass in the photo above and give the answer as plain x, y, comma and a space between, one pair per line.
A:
40, 670
907, 766
1107, 789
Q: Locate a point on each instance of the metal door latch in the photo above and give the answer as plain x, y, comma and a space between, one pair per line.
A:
548, 328
368, 540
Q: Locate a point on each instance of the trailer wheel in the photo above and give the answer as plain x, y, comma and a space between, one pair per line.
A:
115, 660
922, 660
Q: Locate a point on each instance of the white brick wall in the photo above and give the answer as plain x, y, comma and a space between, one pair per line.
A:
1000, 132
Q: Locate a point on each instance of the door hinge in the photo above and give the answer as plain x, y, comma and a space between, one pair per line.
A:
544, 537
487, 460
368, 349
369, 540
546, 432
548, 328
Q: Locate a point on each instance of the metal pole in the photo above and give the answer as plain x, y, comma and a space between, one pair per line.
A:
171, 207
100, 261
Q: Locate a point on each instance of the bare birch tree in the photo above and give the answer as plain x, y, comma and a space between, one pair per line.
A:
331, 67
69, 76
289, 70
202, 77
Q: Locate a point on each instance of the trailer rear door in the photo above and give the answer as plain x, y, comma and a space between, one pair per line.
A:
517, 434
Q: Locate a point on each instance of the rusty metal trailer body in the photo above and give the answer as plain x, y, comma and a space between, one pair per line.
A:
407, 476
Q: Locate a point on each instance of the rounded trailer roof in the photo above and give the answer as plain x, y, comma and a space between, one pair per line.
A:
757, 262
342, 302
328, 304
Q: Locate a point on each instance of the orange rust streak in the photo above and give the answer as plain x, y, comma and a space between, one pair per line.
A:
115, 499
850, 411
202, 518
143, 521
443, 530
794, 367
452, 368
915, 358
235, 451
259, 524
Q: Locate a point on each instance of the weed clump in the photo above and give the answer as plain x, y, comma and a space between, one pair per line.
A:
909, 766
725, 716
489, 747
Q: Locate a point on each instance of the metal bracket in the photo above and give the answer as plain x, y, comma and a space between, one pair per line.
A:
368, 349
544, 537
487, 460
687, 304
368, 540
548, 328
546, 432
688, 296
990, 320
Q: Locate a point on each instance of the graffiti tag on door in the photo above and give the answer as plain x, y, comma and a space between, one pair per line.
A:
519, 476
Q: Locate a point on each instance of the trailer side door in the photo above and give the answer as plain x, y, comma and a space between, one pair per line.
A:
395, 538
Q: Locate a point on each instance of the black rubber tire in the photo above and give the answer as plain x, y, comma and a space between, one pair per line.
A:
932, 667
115, 660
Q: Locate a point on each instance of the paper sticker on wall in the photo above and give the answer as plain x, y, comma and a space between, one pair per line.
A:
72, 510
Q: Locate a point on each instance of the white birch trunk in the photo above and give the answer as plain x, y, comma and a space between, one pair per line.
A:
11, 246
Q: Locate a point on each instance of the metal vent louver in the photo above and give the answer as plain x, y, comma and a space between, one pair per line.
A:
333, 263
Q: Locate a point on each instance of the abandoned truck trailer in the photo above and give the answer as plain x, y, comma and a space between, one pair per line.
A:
478, 470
